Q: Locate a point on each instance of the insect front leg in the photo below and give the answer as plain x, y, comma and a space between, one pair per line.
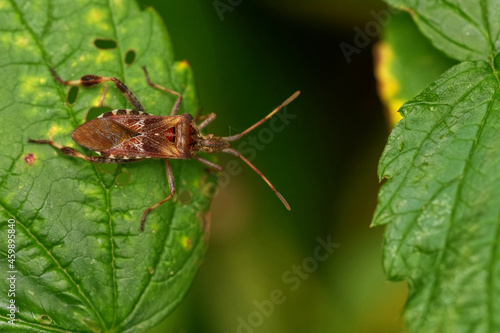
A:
207, 120
178, 101
171, 185
73, 153
92, 80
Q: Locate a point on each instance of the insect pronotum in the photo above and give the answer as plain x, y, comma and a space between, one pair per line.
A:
124, 136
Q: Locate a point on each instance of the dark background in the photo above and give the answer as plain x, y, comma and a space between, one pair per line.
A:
324, 163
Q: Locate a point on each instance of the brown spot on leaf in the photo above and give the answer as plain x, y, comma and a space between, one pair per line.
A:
30, 159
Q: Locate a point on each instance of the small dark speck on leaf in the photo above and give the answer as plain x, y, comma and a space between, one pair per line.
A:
130, 57
30, 159
185, 197
72, 94
105, 44
45, 319
123, 178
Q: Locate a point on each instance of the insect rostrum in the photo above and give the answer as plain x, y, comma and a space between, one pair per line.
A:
125, 135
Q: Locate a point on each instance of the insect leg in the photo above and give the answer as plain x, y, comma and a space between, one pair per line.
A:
171, 185
73, 153
178, 101
103, 96
208, 163
207, 120
92, 80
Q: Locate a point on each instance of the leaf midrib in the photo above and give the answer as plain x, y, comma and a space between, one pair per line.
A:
72, 117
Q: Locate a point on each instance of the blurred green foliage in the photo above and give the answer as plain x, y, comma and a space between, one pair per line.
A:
406, 62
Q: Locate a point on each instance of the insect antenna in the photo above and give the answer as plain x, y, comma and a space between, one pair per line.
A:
238, 154
260, 122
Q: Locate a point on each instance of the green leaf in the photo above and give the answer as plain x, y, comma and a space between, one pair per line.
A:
441, 199
463, 29
82, 265
406, 63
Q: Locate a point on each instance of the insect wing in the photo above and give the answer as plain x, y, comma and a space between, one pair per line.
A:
155, 137
102, 133
145, 146
146, 123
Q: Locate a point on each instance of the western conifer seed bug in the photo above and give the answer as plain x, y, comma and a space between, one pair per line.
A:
124, 136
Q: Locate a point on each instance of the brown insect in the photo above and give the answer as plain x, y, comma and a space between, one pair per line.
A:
124, 136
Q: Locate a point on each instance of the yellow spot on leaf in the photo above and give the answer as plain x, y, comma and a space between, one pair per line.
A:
387, 84
181, 65
55, 129
22, 41
97, 101
30, 85
94, 15
96, 18
186, 243
104, 56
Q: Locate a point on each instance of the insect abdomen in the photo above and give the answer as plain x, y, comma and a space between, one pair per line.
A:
120, 112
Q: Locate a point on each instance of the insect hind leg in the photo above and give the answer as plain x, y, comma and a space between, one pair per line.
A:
92, 80
171, 185
74, 153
